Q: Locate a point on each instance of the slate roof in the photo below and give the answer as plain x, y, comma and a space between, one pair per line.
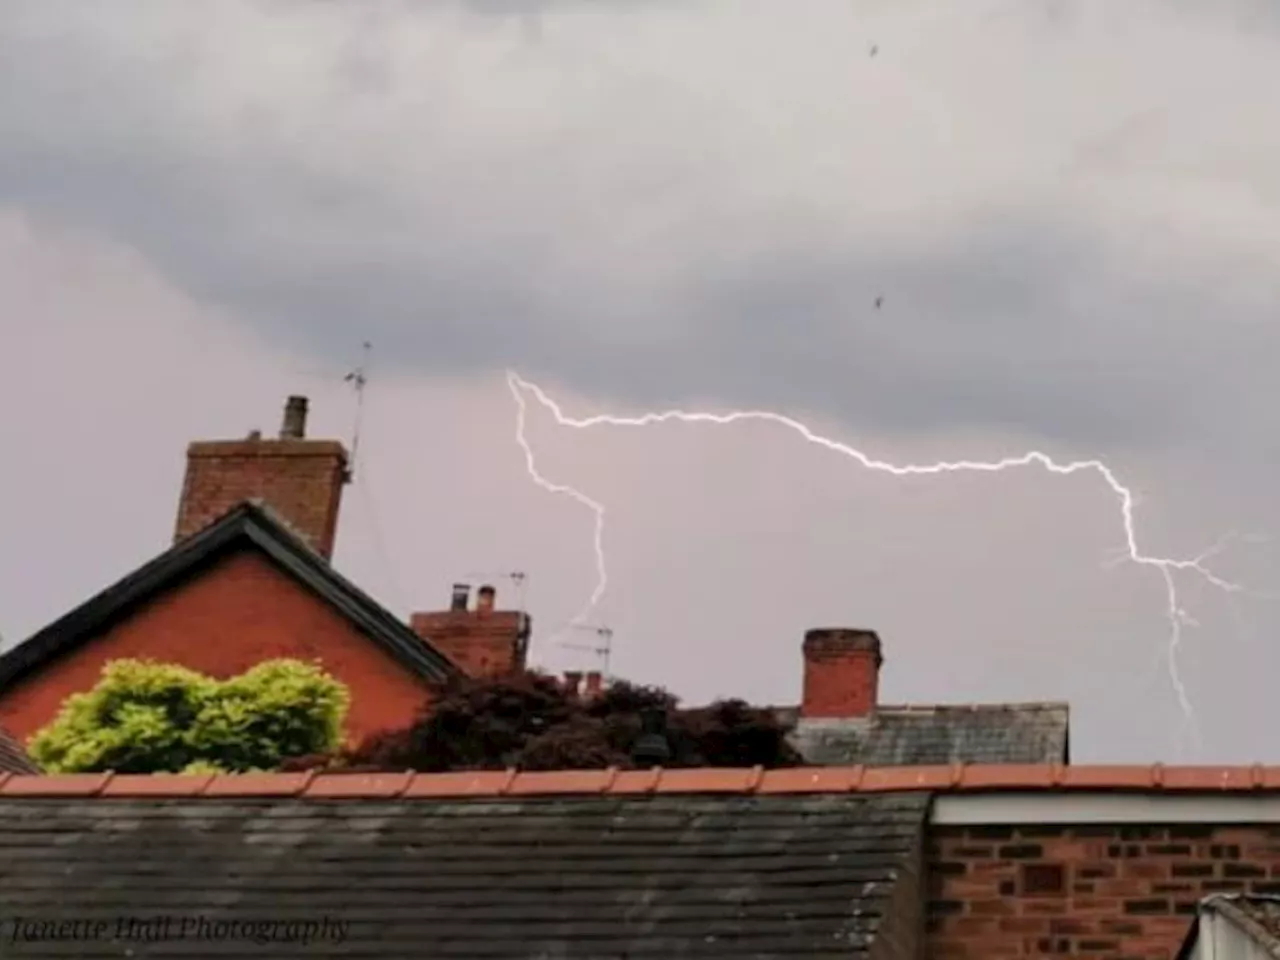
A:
599, 877
251, 525
926, 735
14, 759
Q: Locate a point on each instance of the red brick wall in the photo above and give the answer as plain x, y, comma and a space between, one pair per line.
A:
841, 673
482, 643
301, 480
237, 614
1127, 891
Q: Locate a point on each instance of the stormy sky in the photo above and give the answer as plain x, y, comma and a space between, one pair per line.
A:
930, 230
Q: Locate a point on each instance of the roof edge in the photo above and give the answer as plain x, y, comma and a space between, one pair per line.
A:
961, 778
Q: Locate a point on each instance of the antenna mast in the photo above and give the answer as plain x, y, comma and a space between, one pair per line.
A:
602, 648
358, 378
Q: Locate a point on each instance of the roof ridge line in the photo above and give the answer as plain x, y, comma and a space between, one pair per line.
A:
951, 778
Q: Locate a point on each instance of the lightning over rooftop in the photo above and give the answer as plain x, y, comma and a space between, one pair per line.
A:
1168, 568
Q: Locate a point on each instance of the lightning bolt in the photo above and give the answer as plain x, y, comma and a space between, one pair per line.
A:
1167, 567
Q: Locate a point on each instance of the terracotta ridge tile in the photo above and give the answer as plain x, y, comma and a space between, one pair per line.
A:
949, 778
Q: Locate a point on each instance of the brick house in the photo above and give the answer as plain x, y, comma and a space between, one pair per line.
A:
896, 862
248, 578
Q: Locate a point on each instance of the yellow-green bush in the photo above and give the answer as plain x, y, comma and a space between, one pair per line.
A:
148, 717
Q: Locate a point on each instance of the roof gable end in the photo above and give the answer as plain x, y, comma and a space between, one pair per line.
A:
250, 523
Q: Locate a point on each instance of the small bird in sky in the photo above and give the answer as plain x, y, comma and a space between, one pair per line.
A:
874, 50
879, 301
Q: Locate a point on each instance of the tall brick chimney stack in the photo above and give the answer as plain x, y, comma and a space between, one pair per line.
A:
484, 641
841, 673
299, 479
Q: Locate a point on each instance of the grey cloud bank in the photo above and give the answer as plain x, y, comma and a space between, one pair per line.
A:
666, 201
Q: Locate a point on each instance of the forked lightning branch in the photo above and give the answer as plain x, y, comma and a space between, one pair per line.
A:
1168, 568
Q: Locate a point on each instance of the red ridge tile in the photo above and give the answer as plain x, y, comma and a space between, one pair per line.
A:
1012, 776
953, 778
477, 783
1234, 779
156, 785
637, 781
895, 779
1091, 777
368, 786
552, 782
55, 785
260, 784
810, 780
704, 780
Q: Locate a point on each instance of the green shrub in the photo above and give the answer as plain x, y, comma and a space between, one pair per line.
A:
148, 717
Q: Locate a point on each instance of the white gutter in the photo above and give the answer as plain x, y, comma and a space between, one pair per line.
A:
1078, 806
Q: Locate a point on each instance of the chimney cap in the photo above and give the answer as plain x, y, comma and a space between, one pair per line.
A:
844, 639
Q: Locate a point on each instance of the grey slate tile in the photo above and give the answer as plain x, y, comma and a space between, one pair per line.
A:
925, 736
591, 877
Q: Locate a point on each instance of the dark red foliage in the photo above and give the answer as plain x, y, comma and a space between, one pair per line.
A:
530, 722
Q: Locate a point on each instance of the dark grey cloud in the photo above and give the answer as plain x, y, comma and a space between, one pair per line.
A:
580, 211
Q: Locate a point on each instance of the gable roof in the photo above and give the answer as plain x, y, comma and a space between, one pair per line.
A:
13, 759
930, 735
1255, 916
633, 876
250, 524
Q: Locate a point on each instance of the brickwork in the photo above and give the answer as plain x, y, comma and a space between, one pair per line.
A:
300, 480
235, 615
841, 673
1109, 891
483, 643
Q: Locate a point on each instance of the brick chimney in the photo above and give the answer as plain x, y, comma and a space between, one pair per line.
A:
841, 673
299, 479
483, 642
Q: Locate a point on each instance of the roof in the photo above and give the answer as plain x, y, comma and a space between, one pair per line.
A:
14, 759
1254, 915
251, 524
922, 735
519, 877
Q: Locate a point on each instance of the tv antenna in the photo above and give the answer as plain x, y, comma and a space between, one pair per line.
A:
359, 379
602, 648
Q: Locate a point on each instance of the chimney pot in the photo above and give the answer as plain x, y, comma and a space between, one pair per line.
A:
595, 684
294, 425
841, 673
485, 597
461, 595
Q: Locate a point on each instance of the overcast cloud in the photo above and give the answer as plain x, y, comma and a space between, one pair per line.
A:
1069, 212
